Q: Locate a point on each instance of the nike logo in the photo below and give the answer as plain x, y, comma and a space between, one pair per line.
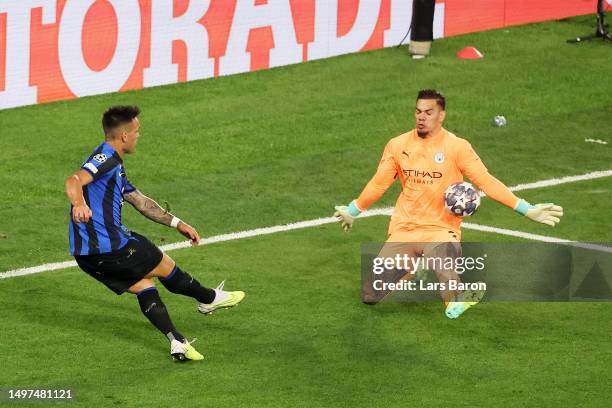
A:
150, 307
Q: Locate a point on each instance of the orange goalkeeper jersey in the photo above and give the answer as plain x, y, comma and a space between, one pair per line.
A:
426, 167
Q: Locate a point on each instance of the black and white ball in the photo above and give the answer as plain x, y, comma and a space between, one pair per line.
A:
461, 199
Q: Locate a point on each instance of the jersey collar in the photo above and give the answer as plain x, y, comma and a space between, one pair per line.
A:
115, 154
439, 135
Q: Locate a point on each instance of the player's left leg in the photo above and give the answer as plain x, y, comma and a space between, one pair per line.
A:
155, 310
436, 253
180, 282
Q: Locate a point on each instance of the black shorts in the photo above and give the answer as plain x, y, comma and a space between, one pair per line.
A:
121, 269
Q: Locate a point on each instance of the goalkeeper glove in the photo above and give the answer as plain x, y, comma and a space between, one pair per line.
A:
548, 214
347, 214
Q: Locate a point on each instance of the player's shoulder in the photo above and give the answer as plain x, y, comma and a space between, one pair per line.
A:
102, 154
102, 160
400, 140
456, 141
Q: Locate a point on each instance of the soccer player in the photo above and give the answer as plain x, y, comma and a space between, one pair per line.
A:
427, 160
121, 259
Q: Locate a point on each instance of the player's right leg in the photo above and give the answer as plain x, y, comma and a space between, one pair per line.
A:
154, 309
180, 282
397, 244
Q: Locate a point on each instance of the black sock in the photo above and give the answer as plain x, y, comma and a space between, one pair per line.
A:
155, 310
184, 284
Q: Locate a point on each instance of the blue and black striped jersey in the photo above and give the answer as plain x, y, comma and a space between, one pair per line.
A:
104, 195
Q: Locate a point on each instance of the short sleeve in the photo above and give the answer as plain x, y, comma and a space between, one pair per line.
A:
99, 164
129, 187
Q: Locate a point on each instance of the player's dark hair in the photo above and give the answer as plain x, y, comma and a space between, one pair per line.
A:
433, 94
116, 116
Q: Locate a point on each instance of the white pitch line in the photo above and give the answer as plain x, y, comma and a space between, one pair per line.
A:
37, 269
536, 237
562, 180
598, 141
206, 241
557, 181
253, 233
329, 220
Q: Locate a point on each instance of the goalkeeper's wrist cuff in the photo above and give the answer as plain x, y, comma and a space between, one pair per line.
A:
522, 207
353, 209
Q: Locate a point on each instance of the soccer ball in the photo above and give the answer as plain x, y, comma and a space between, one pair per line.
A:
461, 199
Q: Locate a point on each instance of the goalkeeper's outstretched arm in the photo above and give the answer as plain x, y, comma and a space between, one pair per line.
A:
471, 165
373, 191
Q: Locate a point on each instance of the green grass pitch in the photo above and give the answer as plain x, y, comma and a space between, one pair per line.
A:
285, 145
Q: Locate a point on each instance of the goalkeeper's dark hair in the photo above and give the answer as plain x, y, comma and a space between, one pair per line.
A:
433, 94
116, 116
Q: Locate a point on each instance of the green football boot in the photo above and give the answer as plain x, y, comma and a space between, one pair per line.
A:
222, 300
184, 351
463, 302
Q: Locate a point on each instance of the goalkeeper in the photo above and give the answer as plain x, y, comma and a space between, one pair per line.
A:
427, 160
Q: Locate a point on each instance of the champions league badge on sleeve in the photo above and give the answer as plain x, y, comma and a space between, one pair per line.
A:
100, 157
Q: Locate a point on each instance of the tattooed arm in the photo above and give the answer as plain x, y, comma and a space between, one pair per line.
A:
148, 207
153, 211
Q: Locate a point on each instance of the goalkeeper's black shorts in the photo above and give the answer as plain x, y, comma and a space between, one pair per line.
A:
121, 269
